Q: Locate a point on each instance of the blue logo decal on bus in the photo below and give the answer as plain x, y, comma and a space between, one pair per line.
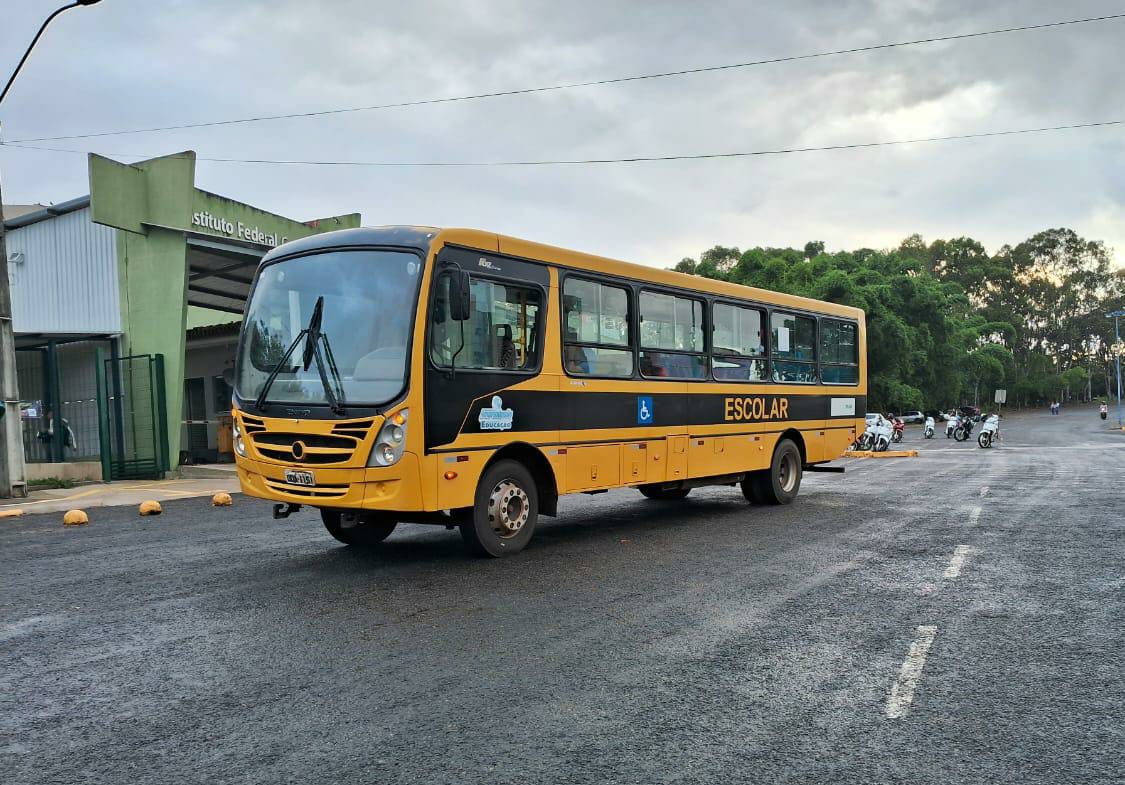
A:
644, 410
496, 417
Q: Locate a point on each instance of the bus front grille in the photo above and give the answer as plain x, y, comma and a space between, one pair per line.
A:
315, 449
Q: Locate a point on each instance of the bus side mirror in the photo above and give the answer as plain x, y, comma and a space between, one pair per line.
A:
459, 303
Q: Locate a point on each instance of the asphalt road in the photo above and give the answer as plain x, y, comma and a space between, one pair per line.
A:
635, 641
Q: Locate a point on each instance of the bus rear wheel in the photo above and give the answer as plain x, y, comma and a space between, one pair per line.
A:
370, 528
504, 513
663, 494
778, 484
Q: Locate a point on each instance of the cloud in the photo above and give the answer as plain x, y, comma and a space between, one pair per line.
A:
131, 63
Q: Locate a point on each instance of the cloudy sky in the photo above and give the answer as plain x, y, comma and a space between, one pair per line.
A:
139, 63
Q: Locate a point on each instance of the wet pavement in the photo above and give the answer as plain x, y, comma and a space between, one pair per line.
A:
955, 617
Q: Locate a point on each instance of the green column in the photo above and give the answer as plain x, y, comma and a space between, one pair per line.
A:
154, 311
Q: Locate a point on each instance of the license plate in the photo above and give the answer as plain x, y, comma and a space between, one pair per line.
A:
294, 477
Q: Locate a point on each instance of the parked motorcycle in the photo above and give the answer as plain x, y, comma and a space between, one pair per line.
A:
964, 430
1103, 411
928, 428
877, 437
951, 425
898, 427
990, 431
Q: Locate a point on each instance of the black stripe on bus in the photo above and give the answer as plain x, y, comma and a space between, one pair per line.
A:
522, 411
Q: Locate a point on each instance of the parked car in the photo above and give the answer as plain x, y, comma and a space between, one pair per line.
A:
970, 411
937, 414
912, 417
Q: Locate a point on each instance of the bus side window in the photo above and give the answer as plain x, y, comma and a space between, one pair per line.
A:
596, 333
671, 337
738, 343
500, 334
839, 352
793, 347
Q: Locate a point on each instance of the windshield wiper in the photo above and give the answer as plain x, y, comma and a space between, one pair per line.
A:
335, 402
335, 371
260, 401
312, 336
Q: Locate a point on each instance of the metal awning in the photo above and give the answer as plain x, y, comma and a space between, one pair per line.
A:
40, 340
220, 272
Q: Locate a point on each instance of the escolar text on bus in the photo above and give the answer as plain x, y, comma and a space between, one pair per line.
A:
755, 408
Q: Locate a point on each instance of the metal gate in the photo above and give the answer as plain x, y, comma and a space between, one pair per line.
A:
132, 415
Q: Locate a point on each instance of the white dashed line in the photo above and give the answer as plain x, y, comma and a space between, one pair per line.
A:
957, 561
984, 491
974, 516
902, 691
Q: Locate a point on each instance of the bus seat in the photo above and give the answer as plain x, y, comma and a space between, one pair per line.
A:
505, 348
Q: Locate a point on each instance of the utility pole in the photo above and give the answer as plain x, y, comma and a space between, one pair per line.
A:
1117, 347
13, 473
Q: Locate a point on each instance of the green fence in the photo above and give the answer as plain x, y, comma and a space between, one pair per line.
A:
131, 414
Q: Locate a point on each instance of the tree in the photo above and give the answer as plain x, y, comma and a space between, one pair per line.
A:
814, 249
946, 321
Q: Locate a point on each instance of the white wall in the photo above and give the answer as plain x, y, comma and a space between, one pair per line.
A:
67, 281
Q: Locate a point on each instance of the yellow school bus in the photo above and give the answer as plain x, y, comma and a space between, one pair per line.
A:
465, 378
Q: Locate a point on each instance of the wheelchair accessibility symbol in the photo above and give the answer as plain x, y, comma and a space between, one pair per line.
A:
644, 410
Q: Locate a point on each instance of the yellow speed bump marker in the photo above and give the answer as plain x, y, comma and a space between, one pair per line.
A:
75, 518
150, 508
11, 513
222, 499
884, 454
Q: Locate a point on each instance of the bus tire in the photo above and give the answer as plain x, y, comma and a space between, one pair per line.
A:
663, 494
370, 529
780, 483
504, 513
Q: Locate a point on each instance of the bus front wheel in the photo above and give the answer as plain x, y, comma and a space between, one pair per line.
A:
778, 484
504, 512
369, 528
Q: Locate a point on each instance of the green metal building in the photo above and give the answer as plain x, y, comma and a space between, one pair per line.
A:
126, 305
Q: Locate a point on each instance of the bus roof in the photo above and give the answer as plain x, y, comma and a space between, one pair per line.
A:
423, 237
514, 246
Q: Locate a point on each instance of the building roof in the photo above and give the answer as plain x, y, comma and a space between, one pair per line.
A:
16, 210
225, 330
40, 213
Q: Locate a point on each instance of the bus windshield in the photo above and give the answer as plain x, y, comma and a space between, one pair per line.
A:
366, 320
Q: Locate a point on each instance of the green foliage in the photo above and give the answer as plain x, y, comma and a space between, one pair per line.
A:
947, 323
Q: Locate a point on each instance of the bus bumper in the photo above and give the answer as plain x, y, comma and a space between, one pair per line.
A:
395, 487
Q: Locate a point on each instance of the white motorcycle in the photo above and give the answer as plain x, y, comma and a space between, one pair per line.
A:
989, 431
951, 425
878, 435
928, 428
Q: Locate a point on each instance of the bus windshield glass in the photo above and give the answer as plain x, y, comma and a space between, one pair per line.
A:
366, 321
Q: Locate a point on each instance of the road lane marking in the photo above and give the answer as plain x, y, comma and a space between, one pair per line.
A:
974, 516
957, 561
902, 691
984, 491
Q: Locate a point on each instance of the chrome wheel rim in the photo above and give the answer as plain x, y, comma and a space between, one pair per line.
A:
787, 473
508, 509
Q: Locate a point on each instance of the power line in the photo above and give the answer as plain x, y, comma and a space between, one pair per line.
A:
573, 85
594, 161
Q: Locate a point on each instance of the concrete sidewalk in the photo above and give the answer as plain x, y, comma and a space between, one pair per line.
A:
116, 493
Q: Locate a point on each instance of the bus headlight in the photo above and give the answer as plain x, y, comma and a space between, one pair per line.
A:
391, 441
239, 445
